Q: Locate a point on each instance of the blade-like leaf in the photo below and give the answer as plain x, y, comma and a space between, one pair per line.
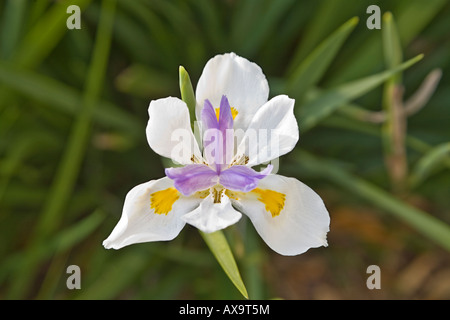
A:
188, 96
429, 162
142, 81
392, 48
13, 15
218, 245
70, 164
63, 240
309, 72
64, 98
69, 167
328, 101
45, 34
393, 128
322, 20
187, 91
411, 17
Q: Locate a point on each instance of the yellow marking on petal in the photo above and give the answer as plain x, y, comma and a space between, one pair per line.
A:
162, 201
273, 200
234, 113
202, 194
235, 195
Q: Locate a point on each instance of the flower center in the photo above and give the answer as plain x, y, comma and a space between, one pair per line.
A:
219, 169
217, 192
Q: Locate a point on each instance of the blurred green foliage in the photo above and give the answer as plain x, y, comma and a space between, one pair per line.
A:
73, 110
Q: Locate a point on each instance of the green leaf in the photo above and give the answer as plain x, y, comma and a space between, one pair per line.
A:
393, 57
218, 245
411, 16
64, 98
429, 162
45, 34
393, 130
142, 81
272, 14
187, 92
114, 279
63, 240
328, 101
392, 48
309, 72
70, 164
14, 15
322, 21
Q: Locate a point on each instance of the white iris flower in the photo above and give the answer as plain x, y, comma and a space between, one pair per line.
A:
240, 128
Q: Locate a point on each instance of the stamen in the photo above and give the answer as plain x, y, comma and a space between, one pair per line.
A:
217, 192
196, 159
163, 200
240, 160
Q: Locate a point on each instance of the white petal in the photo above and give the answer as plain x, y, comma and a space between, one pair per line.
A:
242, 81
210, 216
139, 222
272, 132
302, 223
169, 130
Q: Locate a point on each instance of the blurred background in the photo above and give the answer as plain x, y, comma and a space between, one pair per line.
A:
373, 143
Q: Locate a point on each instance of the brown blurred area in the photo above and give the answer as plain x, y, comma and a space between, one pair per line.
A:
358, 239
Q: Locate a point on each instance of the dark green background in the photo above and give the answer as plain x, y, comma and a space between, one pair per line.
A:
72, 143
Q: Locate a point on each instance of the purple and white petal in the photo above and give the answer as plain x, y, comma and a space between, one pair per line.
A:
242, 178
242, 81
192, 178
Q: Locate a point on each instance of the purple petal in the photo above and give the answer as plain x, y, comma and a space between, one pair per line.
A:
225, 116
226, 128
192, 178
211, 134
218, 137
209, 118
242, 178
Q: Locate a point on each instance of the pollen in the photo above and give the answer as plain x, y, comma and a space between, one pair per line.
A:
202, 194
234, 113
162, 201
235, 195
273, 200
